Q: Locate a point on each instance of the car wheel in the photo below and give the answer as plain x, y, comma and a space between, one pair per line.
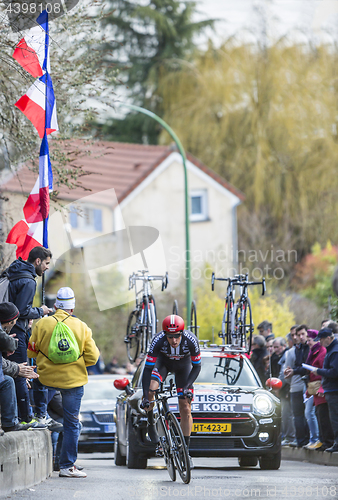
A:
133, 459
270, 462
247, 461
118, 458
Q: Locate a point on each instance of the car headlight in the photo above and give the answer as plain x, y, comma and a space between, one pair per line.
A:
262, 404
85, 417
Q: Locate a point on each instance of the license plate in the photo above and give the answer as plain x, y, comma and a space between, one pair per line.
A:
211, 428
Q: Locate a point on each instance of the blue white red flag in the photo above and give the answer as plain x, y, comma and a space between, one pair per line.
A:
30, 52
38, 107
38, 104
32, 231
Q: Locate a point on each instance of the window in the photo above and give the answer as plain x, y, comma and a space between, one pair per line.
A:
198, 205
86, 218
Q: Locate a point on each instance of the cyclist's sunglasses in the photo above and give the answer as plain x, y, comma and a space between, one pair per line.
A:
173, 335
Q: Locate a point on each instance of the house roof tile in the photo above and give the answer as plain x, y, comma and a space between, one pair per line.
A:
121, 166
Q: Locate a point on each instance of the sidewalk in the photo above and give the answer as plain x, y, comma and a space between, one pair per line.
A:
25, 459
312, 456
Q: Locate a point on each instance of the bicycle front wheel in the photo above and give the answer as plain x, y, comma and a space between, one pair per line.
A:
132, 339
147, 326
179, 448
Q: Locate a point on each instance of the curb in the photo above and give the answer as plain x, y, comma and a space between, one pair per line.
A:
26, 458
312, 456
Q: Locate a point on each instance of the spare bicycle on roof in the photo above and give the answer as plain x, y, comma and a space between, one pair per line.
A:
237, 325
142, 321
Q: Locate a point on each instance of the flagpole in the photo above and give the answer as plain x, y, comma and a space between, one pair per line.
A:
43, 291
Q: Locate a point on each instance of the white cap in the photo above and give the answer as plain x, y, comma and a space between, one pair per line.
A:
65, 298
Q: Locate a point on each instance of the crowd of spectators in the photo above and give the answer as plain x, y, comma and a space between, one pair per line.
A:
309, 394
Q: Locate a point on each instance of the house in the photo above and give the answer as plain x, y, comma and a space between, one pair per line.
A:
129, 214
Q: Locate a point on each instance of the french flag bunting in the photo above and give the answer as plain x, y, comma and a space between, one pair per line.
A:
36, 208
32, 50
39, 106
26, 237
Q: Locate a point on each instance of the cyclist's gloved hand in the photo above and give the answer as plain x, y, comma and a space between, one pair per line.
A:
144, 404
187, 393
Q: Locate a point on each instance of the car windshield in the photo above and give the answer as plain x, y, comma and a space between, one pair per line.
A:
226, 371
100, 389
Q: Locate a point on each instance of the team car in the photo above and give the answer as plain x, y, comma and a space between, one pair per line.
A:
233, 415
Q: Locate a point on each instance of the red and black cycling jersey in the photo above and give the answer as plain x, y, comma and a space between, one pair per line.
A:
161, 352
187, 347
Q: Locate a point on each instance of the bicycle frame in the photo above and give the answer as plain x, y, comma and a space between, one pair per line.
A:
142, 321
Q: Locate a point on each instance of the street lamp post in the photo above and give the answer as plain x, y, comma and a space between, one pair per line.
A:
184, 159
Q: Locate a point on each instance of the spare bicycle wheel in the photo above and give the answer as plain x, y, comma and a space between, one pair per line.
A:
175, 307
132, 339
193, 319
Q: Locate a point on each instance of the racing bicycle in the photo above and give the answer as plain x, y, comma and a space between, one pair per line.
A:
243, 324
228, 321
142, 321
172, 442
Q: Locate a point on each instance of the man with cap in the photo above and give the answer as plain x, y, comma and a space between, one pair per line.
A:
68, 378
329, 374
9, 314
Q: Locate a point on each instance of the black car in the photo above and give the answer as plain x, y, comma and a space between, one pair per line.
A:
97, 414
233, 415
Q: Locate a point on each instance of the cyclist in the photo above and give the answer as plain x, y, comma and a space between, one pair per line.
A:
177, 351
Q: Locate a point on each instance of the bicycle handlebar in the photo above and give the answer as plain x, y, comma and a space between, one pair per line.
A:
136, 277
239, 279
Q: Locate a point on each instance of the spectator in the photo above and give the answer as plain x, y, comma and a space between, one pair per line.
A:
279, 346
258, 354
288, 428
294, 359
9, 314
310, 413
329, 374
98, 368
265, 328
316, 358
22, 287
69, 379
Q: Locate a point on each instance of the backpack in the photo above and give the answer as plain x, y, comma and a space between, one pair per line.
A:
5, 281
63, 346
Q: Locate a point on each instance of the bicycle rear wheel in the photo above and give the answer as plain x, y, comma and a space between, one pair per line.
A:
132, 339
247, 325
179, 448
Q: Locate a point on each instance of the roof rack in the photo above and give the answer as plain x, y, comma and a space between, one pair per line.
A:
223, 347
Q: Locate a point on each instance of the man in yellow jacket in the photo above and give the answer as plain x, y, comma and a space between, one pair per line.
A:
68, 378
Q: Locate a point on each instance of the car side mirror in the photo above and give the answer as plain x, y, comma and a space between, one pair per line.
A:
121, 383
274, 383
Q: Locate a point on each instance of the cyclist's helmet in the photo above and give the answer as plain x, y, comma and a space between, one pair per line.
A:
173, 324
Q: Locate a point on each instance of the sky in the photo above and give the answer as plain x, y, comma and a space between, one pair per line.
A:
315, 18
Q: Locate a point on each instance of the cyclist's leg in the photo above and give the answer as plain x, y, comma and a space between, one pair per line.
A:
181, 376
159, 373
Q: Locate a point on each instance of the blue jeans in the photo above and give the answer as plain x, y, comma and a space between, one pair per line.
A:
71, 402
301, 426
9, 409
332, 401
42, 395
22, 394
311, 418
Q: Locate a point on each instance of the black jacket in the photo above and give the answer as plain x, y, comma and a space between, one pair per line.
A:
7, 344
329, 372
302, 352
256, 359
21, 293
